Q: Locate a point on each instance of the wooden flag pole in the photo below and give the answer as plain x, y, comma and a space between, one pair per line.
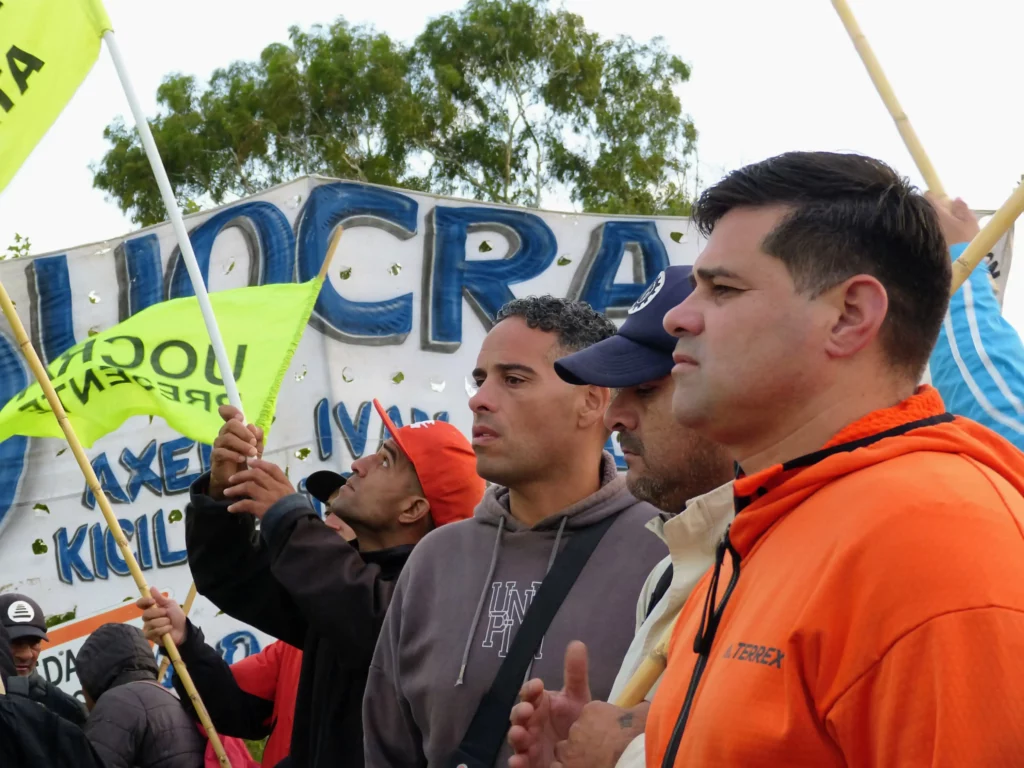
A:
860, 42
328, 258
987, 238
647, 674
108, 514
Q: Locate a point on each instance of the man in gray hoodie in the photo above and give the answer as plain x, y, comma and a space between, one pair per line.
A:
466, 587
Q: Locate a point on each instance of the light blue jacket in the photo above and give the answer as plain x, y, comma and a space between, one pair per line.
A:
978, 362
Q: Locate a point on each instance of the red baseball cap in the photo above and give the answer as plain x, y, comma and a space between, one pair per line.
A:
445, 465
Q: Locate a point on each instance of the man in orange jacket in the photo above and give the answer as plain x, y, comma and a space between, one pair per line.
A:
867, 604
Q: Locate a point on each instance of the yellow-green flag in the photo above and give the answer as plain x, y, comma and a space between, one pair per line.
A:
160, 363
49, 47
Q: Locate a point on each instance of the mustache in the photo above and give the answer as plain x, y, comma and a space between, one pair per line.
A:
630, 442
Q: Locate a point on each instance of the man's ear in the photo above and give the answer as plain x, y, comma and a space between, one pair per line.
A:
414, 509
593, 404
860, 305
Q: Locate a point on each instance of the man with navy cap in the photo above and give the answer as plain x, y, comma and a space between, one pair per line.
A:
671, 467
25, 624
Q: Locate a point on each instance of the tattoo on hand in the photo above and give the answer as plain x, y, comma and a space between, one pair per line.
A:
626, 721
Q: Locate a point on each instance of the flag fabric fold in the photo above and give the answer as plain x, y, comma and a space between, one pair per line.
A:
160, 362
48, 46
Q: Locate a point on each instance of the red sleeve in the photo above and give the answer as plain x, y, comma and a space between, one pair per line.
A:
257, 674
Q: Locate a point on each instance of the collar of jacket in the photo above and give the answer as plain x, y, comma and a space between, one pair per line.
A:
764, 498
389, 560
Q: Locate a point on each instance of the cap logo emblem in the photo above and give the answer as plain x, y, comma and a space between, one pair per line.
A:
648, 296
20, 612
418, 424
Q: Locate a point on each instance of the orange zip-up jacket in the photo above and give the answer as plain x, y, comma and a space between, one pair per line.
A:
869, 608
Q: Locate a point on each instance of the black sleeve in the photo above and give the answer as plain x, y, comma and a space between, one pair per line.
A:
341, 596
36, 688
231, 567
234, 712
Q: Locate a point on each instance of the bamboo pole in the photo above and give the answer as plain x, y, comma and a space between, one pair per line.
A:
328, 258
987, 238
647, 674
860, 42
108, 514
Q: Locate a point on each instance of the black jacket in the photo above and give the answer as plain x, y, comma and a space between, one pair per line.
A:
32, 736
299, 581
136, 723
234, 712
39, 689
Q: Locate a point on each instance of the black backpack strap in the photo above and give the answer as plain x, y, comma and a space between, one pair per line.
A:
660, 589
19, 686
486, 733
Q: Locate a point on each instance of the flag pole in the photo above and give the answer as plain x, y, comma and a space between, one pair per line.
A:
987, 238
113, 525
177, 222
860, 42
328, 258
647, 674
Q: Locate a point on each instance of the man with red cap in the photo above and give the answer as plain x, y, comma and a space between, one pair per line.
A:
301, 582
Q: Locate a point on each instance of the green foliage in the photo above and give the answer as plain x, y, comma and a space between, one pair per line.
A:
21, 246
61, 618
335, 101
503, 100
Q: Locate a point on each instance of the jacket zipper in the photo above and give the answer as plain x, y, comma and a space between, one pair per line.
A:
710, 618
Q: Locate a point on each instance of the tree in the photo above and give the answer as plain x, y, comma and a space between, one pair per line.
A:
520, 96
504, 100
336, 101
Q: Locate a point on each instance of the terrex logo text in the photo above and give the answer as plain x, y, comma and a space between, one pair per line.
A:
757, 654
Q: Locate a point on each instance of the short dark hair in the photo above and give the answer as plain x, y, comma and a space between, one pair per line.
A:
576, 323
850, 215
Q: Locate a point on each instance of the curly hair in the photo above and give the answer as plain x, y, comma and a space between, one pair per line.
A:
577, 324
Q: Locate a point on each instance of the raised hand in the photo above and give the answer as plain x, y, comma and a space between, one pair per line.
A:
236, 443
161, 615
543, 718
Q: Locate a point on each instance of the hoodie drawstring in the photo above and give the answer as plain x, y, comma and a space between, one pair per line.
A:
487, 585
480, 604
551, 560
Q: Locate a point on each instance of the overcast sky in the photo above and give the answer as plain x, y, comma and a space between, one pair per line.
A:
766, 77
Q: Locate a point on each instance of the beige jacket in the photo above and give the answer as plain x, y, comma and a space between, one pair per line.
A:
691, 537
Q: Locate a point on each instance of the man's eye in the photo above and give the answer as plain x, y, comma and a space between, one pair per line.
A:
719, 290
513, 380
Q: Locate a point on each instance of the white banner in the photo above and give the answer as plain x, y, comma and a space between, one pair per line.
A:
413, 289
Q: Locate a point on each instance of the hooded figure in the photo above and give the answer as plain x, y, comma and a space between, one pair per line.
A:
32, 736
133, 721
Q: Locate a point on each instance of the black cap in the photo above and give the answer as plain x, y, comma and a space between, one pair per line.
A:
642, 349
22, 617
322, 485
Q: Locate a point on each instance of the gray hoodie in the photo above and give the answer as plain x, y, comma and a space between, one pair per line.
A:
461, 599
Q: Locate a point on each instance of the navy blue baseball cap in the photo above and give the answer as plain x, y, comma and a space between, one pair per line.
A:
642, 349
